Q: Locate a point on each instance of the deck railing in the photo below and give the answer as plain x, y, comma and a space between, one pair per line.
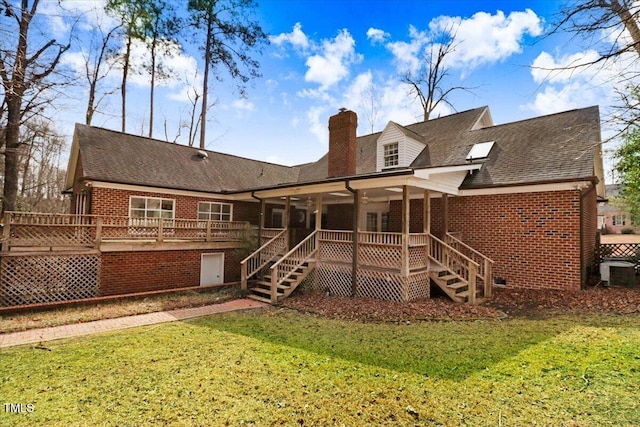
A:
485, 264
21, 229
291, 261
456, 263
262, 256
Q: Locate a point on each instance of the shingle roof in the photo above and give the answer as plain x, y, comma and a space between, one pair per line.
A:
122, 158
557, 147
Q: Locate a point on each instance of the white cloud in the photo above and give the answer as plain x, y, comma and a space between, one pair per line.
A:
407, 54
481, 39
486, 38
377, 35
297, 38
243, 104
317, 118
577, 80
331, 64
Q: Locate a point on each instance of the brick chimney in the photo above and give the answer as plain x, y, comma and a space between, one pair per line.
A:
342, 143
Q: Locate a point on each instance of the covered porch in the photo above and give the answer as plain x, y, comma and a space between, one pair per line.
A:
367, 237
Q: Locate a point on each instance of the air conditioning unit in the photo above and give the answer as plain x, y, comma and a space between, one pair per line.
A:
617, 273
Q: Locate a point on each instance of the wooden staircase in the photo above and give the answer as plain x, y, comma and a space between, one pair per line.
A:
454, 285
285, 272
463, 273
261, 289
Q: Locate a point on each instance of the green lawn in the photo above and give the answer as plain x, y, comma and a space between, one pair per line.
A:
283, 368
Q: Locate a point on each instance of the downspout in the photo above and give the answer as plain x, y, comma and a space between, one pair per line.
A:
354, 257
583, 275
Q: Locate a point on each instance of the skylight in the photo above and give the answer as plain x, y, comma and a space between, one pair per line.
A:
480, 150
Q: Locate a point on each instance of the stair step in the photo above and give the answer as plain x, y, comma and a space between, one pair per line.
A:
465, 294
261, 299
457, 285
448, 277
264, 291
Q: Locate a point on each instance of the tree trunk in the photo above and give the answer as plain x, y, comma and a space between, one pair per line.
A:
153, 83
205, 83
125, 72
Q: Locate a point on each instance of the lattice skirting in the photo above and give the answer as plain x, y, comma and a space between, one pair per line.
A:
376, 284
37, 279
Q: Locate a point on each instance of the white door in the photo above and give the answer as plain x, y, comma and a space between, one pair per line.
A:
212, 269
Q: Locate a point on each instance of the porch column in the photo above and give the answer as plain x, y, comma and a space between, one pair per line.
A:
426, 225
445, 214
318, 224
261, 222
356, 249
287, 214
406, 220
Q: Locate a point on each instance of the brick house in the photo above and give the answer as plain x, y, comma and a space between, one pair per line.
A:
456, 201
612, 219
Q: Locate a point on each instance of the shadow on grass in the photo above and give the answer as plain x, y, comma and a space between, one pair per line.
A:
443, 350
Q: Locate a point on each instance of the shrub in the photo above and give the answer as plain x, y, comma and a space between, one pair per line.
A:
627, 230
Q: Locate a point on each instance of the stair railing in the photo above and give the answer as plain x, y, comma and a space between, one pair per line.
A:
290, 262
455, 262
485, 269
261, 257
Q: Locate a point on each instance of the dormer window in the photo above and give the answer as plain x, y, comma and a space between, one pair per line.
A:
391, 155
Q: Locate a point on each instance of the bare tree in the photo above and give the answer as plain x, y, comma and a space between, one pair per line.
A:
22, 69
370, 105
428, 82
229, 34
612, 27
42, 180
96, 68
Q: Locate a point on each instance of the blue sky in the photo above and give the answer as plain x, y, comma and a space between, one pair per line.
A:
327, 54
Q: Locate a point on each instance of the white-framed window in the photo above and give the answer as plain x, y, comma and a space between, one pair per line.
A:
215, 211
151, 207
377, 221
619, 220
391, 155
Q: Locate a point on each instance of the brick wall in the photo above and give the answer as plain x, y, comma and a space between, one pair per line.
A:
340, 217
534, 238
114, 202
144, 271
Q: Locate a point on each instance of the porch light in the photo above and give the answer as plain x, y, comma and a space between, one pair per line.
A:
364, 198
309, 202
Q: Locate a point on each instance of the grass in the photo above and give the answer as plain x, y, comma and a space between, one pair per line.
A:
278, 367
114, 308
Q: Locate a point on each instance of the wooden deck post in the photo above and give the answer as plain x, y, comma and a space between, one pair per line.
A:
207, 236
6, 232
98, 241
243, 276
287, 214
406, 218
426, 224
274, 285
160, 238
473, 272
355, 239
487, 278
445, 215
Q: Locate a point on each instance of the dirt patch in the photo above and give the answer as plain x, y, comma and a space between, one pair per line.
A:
503, 302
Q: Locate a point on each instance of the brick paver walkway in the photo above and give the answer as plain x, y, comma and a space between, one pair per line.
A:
78, 329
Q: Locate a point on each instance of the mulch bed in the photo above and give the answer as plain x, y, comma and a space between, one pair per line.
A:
503, 303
